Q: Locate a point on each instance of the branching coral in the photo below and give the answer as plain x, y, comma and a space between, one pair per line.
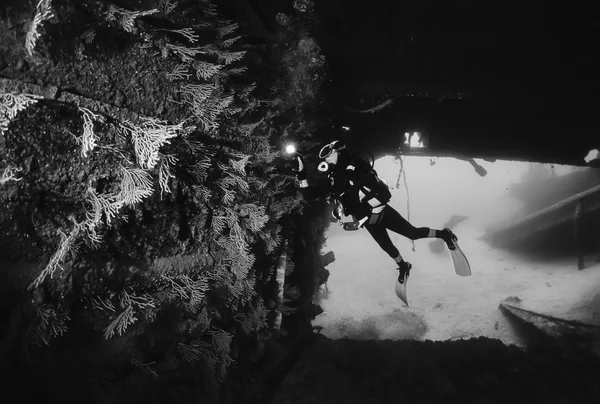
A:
65, 245
148, 137
190, 293
50, 323
9, 174
227, 189
130, 303
11, 104
167, 161
126, 18
88, 138
43, 13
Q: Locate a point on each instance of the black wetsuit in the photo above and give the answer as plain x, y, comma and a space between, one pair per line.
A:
347, 179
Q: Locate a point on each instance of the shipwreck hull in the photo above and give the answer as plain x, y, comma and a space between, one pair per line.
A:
555, 329
539, 191
567, 226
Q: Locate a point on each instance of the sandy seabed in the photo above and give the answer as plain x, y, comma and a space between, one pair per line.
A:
453, 344
361, 303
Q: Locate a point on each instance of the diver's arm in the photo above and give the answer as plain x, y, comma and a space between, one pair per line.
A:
307, 191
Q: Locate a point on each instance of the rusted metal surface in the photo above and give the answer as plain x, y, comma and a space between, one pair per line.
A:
552, 326
578, 230
544, 220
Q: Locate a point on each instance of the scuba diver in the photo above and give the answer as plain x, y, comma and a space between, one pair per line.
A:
357, 191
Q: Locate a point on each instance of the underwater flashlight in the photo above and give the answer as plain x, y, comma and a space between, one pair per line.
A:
290, 149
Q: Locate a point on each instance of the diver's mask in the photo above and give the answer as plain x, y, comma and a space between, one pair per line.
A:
329, 153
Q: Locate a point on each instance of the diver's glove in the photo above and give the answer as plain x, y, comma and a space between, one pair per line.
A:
334, 217
301, 172
338, 211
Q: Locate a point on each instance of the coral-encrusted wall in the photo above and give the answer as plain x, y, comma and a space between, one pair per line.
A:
145, 201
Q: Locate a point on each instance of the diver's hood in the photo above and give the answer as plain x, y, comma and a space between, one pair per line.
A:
329, 148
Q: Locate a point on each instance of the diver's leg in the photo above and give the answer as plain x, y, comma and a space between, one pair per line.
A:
381, 236
394, 221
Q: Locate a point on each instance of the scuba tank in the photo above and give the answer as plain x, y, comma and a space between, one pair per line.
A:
372, 188
383, 189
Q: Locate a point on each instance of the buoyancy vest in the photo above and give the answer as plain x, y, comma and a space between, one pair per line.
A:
356, 185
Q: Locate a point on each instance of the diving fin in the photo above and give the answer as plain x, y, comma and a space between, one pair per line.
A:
401, 281
459, 261
400, 290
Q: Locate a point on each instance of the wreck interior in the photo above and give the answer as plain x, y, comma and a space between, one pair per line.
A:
480, 115
484, 91
512, 254
483, 79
